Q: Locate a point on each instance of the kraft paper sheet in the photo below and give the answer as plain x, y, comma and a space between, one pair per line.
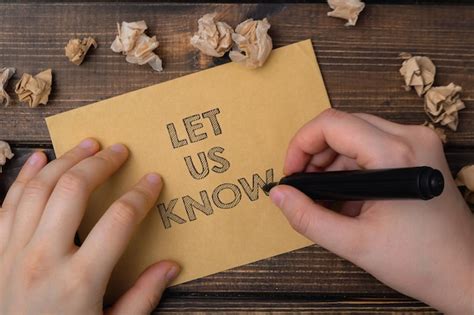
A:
248, 117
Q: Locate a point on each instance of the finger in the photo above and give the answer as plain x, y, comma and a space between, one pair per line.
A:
416, 134
108, 239
385, 125
342, 163
7, 213
310, 168
335, 232
344, 133
323, 159
146, 293
68, 201
36, 193
351, 208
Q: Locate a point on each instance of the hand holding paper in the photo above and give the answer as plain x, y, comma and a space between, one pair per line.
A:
41, 270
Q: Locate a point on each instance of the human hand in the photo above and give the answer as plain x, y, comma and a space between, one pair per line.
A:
41, 270
424, 249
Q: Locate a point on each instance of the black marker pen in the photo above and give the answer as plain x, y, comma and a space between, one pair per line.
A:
398, 183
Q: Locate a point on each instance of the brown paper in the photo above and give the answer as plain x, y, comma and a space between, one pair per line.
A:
212, 38
253, 45
5, 75
243, 121
418, 72
346, 9
442, 104
35, 89
76, 49
5, 153
465, 178
136, 45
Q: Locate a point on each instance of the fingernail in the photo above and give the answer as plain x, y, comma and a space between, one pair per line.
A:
35, 158
153, 178
172, 273
87, 144
277, 196
118, 147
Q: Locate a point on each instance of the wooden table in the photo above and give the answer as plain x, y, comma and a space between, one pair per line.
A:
360, 67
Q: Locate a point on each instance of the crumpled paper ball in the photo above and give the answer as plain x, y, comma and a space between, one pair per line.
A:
253, 44
212, 38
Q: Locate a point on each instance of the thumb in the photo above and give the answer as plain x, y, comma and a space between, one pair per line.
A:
340, 234
145, 294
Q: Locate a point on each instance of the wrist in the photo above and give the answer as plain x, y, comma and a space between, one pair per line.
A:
462, 301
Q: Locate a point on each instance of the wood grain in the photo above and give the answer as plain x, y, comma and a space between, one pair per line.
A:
360, 67
242, 305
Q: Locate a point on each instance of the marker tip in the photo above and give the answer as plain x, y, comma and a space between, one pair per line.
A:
267, 187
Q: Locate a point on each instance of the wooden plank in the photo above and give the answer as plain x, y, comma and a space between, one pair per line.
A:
246, 305
360, 65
